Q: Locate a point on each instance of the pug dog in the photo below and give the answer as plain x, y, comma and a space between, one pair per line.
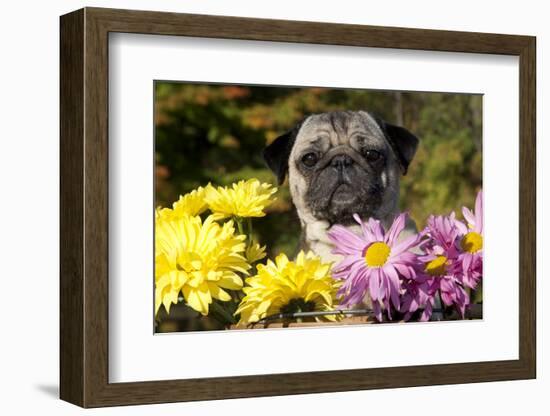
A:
338, 164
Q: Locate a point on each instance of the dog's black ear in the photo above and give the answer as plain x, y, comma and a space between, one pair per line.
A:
277, 153
403, 142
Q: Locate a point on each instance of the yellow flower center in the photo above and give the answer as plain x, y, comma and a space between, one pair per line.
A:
472, 242
377, 254
437, 267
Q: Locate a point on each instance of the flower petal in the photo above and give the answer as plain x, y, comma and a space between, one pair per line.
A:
468, 216
405, 245
374, 284
479, 212
376, 229
218, 293
397, 226
395, 285
231, 281
345, 240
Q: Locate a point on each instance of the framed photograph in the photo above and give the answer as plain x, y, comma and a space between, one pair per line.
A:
255, 207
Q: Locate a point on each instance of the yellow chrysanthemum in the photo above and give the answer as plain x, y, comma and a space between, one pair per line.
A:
243, 199
192, 203
197, 259
284, 286
255, 252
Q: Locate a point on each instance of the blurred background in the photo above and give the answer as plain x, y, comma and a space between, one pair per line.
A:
216, 133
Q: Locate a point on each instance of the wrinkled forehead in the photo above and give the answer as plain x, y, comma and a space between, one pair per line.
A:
337, 128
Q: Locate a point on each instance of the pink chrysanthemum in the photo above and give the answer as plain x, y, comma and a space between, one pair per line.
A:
419, 294
470, 261
374, 263
438, 275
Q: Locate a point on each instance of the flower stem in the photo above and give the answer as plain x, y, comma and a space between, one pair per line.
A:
441, 305
239, 222
249, 231
223, 313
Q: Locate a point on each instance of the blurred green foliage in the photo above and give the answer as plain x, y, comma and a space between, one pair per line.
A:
216, 133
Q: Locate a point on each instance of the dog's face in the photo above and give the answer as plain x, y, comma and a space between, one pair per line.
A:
342, 163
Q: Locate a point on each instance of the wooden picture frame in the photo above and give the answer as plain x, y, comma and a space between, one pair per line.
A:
84, 207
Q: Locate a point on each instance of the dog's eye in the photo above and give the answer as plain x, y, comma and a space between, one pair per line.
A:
372, 155
309, 159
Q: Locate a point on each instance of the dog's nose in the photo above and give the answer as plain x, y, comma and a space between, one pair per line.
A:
341, 161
